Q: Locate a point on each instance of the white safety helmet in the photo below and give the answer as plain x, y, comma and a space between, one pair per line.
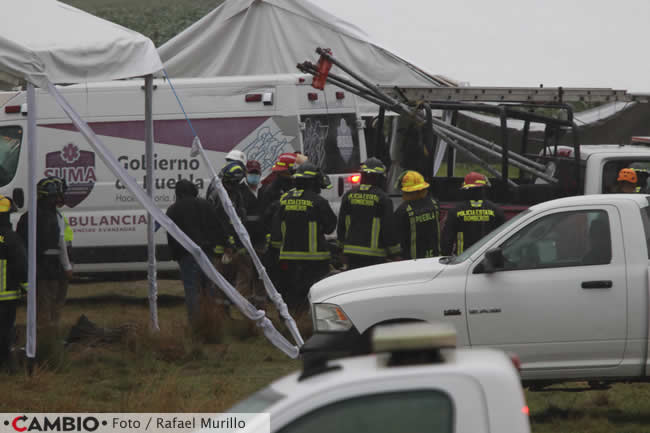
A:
236, 155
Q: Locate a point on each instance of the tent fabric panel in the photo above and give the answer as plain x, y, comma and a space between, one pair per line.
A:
272, 36
50, 39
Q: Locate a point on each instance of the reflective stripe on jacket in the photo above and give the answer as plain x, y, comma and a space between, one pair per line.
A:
13, 265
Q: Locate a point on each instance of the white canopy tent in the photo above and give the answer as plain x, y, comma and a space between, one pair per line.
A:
256, 37
47, 43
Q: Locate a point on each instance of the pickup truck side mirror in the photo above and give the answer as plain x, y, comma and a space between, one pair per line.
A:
18, 197
492, 262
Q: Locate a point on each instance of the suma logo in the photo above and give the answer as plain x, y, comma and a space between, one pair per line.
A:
77, 167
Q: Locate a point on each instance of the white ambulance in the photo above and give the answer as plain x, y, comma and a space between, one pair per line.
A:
263, 116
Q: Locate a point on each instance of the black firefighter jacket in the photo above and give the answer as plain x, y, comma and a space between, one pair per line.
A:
418, 225
366, 225
468, 223
300, 225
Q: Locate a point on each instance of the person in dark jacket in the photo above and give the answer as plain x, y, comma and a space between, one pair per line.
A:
231, 176
237, 264
253, 176
253, 206
196, 217
13, 261
366, 229
472, 219
299, 228
53, 268
417, 219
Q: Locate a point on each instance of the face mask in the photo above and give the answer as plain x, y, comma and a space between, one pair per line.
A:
253, 178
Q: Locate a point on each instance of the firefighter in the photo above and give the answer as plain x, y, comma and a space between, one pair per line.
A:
626, 181
417, 219
236, 264
472, 219
274, 186
365, 224
299, 228
53, 268
13, 284
196, 218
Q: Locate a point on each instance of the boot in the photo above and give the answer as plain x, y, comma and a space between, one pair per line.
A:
12, 362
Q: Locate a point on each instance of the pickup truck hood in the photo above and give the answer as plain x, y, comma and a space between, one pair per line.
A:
372, 277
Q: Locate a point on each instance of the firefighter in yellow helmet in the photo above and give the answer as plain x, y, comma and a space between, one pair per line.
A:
473, 218
13, 262
417, 219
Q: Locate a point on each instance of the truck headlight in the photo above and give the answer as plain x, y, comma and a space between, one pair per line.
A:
330, 318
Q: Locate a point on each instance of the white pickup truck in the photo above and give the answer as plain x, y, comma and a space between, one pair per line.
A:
563, 285
415, 380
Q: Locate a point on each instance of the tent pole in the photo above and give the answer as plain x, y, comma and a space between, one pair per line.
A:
151, 243
31, 220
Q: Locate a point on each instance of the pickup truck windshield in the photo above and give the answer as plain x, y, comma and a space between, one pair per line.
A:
471, 250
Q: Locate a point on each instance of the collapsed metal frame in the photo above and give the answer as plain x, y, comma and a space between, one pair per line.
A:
458, 139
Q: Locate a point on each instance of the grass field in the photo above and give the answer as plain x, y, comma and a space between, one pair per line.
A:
160, 20
164, 373
171, 373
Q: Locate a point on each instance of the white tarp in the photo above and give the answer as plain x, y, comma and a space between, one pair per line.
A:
258, 37
582, 118
45, 40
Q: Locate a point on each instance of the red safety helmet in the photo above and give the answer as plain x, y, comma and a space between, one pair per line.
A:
253, 166
475, 180
285, 162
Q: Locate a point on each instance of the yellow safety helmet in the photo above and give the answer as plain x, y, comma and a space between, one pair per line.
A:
6, 205
413, 181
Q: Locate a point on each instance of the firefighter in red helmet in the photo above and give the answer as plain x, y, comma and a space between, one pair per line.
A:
471, 219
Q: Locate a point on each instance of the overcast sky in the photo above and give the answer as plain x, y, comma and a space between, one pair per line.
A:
571, 43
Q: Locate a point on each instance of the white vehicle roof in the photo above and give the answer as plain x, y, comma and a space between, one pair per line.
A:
593, 199
373, 367
592, 149
492, 369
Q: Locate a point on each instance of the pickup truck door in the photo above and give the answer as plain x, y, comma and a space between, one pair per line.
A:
560, 299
